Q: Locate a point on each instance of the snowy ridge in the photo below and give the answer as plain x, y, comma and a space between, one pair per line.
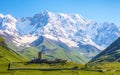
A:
8, 24
69, 42
25, 40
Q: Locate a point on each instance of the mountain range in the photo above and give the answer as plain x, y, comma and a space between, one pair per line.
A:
57, 35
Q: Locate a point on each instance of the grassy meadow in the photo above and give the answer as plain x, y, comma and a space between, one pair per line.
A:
80, 71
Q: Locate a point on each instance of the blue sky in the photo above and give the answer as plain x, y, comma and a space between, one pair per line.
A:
97, 10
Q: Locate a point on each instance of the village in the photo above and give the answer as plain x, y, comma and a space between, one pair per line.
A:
40, 60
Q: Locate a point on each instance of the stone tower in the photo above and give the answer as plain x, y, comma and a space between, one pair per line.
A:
40, 55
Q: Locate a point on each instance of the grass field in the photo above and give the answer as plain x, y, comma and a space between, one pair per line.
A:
56, 72
79, 71
105, 65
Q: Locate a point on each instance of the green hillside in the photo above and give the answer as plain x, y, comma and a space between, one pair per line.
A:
8, 56
109, 58
54, 49
51, 50
30, 52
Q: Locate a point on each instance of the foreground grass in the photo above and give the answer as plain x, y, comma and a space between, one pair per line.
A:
63, 72
80, 71
43, 65
105, 65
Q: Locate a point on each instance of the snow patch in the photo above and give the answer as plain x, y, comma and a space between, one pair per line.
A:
69, 42
50, 37
25, 40
10, 19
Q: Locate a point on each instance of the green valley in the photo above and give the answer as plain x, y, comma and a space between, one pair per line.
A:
9, 56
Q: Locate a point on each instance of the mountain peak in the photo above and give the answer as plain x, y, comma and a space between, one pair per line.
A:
42, 13
10, 18
1, 15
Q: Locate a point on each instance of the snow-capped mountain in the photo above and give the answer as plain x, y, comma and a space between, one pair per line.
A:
70, 29
8, 24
